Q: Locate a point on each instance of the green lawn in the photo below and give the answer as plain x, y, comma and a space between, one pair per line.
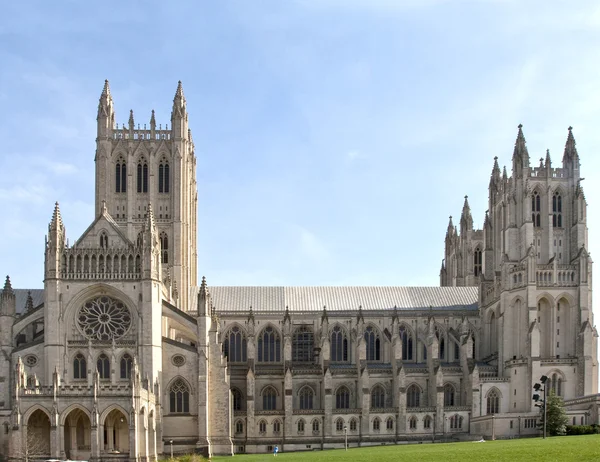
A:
566, 448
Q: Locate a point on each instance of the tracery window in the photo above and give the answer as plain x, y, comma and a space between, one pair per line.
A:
427, 422
456, 422
339, 345
126, 365
163, 176
79, 367
234, 346
342, 398
493, 402
164, 248
377, 397
269, 396
557, 210
306, 397
315, 426
262, 426
179, 397
376, 424
276, 426
302, 346
407, 343
301, 426
413, 396
353, 424
448, 395
103, 366
412, 423
477, 262
389, 423
269, 346
339, 424
103, 240
536, 208
142, 176
556, 384
103, 318
120, 176
373, 344
239, 427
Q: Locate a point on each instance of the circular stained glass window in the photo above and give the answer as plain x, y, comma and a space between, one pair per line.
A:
178, 360
103, 318
31, 360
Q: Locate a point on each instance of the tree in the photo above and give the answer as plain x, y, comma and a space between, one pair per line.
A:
557, 418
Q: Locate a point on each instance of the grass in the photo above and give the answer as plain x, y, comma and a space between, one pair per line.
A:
566, 448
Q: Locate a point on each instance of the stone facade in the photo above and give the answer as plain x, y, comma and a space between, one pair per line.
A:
122, 356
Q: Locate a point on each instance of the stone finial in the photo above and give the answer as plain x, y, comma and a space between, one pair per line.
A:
56, 222
152, 121
7, 286
106, 89
131, 121
570, 149
29, 302
179, 91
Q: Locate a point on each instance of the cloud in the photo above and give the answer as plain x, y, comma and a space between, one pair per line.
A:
60, 168
312, 247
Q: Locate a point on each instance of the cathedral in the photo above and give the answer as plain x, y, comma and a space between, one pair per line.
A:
125, 355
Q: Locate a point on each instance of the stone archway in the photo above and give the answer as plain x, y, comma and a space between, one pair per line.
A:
36, 441
78, 435
115, 438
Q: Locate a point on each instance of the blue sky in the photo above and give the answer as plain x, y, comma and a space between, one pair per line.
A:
334, 137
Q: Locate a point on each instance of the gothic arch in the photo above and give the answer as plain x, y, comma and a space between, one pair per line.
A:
274, 351
32, 409
228, 328
549, 298
174, 379
568, 297
97, 290
267, 387
494, 389
303, 387
561, 374
64, 414
104, 414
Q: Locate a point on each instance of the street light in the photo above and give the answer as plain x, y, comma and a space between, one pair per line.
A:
536, 397
346, 435
171, 443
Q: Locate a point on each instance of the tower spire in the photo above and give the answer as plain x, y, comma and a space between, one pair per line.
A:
106, 114
7, 286
466, 220
56, 223
520, 153
570, 149
548, 160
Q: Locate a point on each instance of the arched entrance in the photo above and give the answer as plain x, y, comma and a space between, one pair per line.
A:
78, 435
36, 442
116, 433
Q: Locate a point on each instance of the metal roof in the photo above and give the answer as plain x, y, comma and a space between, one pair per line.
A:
303, 299
21, 298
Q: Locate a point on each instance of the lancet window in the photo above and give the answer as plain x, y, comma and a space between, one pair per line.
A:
339, 344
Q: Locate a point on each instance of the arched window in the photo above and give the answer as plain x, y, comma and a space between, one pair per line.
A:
412, 423
239, 427
448, 395
301, 426
353, 424
163, 176
376, 424
234, 346
389, 423
269, 346
164, 248
103, 240
237, 399
339, 345
377, 397
556, 384
269, 396
477, 262
262, 426
413, 396
427, 422
493, 402
79, 367
557, 210
373, 344
342, 398
315, 426
120, 176
306, 396
276, 426
126, 365
302, 345
103, 366
536, 208
339, 424
407, 343
142, 176
179, 397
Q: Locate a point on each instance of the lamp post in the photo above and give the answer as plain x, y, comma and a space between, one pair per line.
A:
346, 436
171, 443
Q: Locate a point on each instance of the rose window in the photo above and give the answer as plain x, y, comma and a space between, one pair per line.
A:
104, 318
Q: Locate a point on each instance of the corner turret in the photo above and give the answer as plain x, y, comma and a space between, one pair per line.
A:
55, 243
8, 300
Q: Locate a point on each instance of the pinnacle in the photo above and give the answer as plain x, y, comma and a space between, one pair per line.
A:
131, 121
570, 149
29, 302
56, 218
152, 119
106, 89
179, 92
7, 285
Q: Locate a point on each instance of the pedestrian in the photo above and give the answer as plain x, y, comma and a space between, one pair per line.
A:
275, 451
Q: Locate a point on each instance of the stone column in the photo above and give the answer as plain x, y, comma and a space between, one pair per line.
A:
133, 440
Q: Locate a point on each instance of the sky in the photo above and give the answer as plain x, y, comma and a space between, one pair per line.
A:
334, 137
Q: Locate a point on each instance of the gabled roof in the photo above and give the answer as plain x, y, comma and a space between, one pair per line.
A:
313, 299
104, 216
